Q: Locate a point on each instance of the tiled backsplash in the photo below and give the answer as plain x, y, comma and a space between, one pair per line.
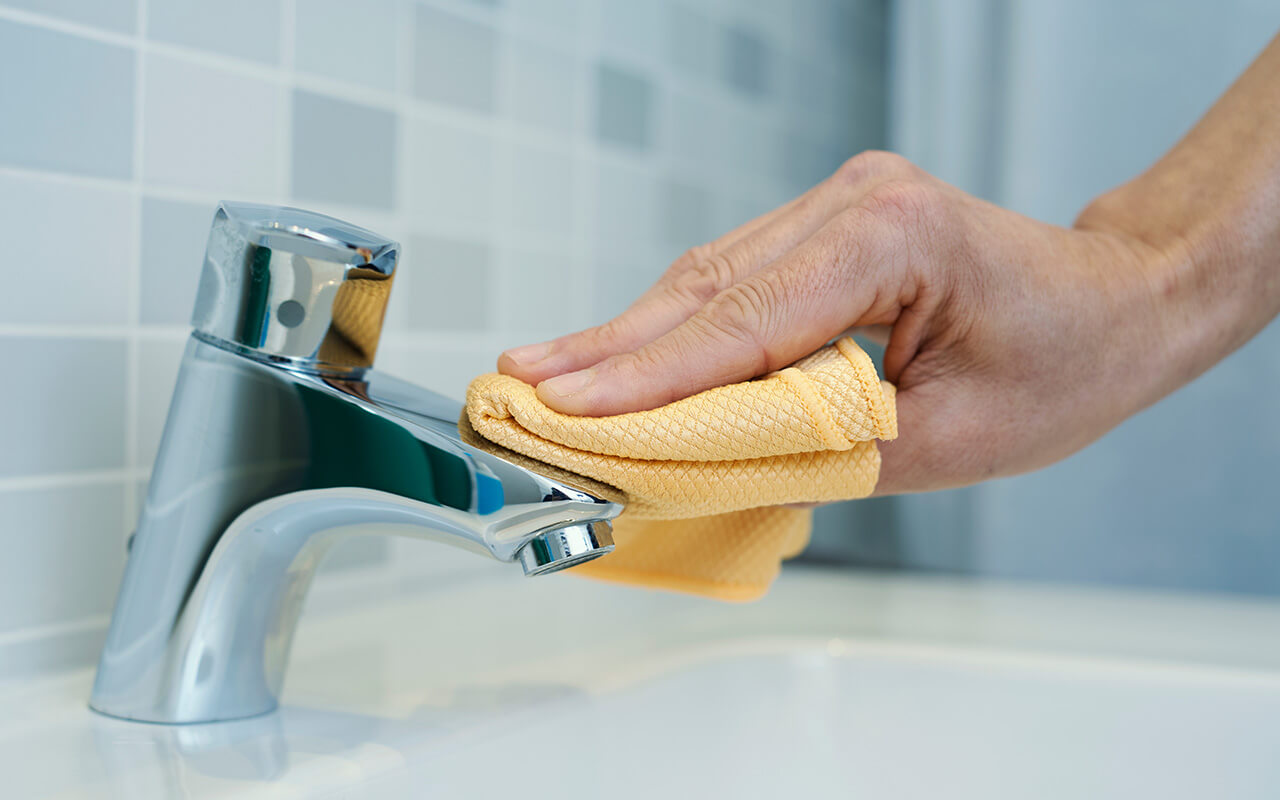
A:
540, 160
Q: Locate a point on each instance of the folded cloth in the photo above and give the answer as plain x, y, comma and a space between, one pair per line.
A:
703, 478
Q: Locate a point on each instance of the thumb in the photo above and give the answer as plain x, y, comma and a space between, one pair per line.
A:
755, 326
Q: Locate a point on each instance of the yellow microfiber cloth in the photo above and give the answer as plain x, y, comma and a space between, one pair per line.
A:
703, 478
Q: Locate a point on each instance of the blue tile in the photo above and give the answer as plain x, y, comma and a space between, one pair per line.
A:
624, 107
120, 16
173, 239
248, 29
455, 61
77, 101
67, 412
343, 152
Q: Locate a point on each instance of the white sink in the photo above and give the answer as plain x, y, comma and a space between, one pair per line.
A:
845, 685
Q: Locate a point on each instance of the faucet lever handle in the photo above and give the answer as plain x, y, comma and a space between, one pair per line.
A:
292, 286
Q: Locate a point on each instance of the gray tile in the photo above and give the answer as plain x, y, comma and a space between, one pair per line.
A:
242, 28
455, 61
451, 286
747, 61
66, 85
329, 32
173, 239
343, 152
624, 107
686, 213
64, 553
625, 212
114, 15
210, 129
82, 278
64, 405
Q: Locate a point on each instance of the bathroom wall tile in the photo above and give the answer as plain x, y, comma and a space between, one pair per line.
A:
64, 553
621, 275
66, 85
452, 285
449, 173
446, 369
747, 62
64, 409
348, 41
624, 106
209, 129
455, 60
694, 43
541, 86
625, 204
248, 29
539, 192
558, 18
695, 129
343, 152
686, 213
539, 294
633, 29
174, 233
81, 279
158, 363
120, 16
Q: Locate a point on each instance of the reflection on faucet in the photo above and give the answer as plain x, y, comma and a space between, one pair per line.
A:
280, 440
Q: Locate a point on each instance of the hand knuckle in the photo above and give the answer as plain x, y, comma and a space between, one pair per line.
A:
901, 202
705, 279
874, 163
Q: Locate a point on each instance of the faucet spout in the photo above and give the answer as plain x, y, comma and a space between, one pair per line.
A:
280, 441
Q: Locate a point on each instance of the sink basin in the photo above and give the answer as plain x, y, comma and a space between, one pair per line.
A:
858, 685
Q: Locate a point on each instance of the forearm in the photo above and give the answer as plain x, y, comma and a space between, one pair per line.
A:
1207, 218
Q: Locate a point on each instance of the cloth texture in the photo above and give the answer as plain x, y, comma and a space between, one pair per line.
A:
703, 479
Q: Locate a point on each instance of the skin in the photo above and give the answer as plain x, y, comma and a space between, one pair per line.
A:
1013, 343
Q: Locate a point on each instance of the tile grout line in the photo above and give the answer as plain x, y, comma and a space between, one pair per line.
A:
133, 368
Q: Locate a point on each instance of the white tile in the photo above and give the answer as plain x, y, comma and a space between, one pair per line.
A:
53, 89
634, 29
64, 553
539, 192
210, 130
174, 234
67, 410
348, 41
447, 370
556, 18
79, 245
539, 294
158, 363
624, 212
452, 288
542, 86
449, 172
248, 29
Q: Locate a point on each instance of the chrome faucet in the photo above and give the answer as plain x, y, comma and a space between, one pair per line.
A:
281, 439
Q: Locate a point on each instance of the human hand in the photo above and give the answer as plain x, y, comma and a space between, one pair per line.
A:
1012, 342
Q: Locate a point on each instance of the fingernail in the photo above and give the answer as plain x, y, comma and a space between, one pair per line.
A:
529, 353
568, 384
